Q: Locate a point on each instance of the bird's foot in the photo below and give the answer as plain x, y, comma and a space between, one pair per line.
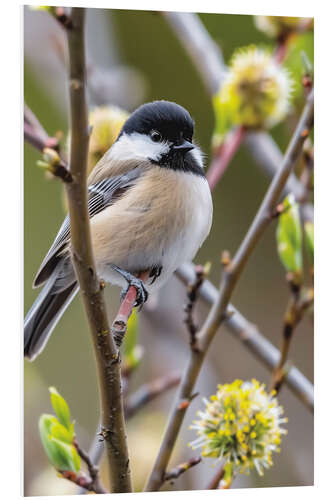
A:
141, 292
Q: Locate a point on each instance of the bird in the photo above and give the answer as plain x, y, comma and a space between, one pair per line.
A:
150, 210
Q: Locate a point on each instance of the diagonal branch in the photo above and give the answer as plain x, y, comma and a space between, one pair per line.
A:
107, 359
204, 53
35, 134
253, 340
231, 275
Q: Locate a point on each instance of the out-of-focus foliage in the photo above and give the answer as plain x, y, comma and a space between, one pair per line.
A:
275, 26
132, 351
309, 240
106, 123
289, 236
255, 93
57, 435
300, 43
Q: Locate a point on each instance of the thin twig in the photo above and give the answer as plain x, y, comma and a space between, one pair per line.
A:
95, 483
295, 311
224, 156
268, 156
107, 359
180, 469
149, 391
252, 339
119, 325
229, 280
35, 134
192, 296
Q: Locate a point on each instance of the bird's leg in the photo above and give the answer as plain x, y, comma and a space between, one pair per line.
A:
141, 292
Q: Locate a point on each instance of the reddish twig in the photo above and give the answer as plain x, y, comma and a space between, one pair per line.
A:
92, 483
119, 325
224, 156
82, 481
282, 47
35, 134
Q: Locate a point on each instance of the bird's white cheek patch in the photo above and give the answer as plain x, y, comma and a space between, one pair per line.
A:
138, 146
197, 155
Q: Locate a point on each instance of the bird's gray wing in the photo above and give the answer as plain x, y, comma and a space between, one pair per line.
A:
100, 195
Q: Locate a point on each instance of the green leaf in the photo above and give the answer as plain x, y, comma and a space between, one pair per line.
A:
60, 432
66, 455
62, 455
61, 408
289, 236
309, 239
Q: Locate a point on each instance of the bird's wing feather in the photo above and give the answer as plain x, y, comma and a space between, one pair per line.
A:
100, 195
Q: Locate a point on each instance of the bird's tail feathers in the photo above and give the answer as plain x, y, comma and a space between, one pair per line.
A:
45, 313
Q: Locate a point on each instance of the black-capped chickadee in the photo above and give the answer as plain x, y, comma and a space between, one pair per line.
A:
150, 209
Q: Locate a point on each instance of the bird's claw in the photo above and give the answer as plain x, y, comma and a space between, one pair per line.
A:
155, 273
141, 292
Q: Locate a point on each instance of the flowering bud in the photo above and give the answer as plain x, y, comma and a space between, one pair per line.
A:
241, 424
256, 91
106, 124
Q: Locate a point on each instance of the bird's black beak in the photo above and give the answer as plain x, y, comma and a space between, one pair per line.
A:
184, 147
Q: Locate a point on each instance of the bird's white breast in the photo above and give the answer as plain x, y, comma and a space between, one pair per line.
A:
197, 212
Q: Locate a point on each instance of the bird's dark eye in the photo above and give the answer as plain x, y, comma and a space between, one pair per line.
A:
155, 136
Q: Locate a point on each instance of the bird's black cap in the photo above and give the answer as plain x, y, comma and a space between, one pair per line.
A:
171, 120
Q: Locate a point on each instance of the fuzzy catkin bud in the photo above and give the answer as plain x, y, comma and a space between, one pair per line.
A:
242, 425
256, 89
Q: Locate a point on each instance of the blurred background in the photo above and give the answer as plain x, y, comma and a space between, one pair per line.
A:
139, 59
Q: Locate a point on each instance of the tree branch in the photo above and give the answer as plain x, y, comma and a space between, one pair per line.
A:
94, 484
231, 275
222, 159
204, 53
252, 339
296, 308
107, 359
193, 288
180, 469
35, 134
